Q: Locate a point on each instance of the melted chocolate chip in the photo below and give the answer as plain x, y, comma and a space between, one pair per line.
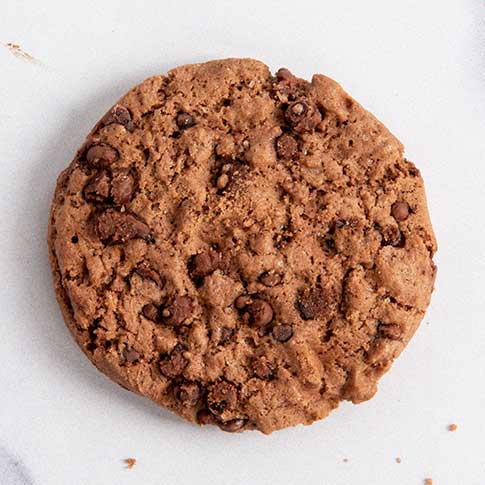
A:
205, 417
118, 114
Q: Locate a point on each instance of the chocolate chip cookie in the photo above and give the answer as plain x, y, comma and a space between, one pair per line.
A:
245, 249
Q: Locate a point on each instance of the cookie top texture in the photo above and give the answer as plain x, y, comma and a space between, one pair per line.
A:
245, 249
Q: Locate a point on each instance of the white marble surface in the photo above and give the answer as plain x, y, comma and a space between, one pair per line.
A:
418, 65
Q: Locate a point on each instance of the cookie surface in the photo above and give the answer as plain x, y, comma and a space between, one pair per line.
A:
244, 249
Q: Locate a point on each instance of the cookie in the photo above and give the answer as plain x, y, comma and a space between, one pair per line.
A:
245, 249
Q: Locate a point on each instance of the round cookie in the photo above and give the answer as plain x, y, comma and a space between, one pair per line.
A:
244, 249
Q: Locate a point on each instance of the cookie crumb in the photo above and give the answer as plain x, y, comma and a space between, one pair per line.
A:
17, 51
398, 460
428, 481
130, 462
452, 427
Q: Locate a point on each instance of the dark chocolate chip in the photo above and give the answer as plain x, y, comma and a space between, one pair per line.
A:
118, 114
226, 335
241, 301
101, 154
146, 272
258, 313
188, 393
222, 396
205, 417
151, 312
131, 355
232, 425
286, 147
178, 311
205, 263
284, 74
270, 279
97, 189
122, 187
184, 120
314, 303
115, 227
400, 211
174, 364
391, 236
282, 333
302, 116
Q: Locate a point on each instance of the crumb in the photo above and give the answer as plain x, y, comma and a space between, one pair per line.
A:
130, 462
428, 481
17, 51
452, 427
346, 460
398, 460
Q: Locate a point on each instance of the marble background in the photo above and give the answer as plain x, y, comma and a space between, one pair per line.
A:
419, 66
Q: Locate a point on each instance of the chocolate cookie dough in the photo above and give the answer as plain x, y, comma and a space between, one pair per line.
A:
245, 249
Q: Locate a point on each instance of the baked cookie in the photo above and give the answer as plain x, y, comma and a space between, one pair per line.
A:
245, 249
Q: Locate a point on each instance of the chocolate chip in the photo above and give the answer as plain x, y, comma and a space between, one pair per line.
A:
270, 279
188, 393
226, 335
241, 301
282, 333
286, 147
302, 116
400, 211
118, 114
184, 120
101, 154
205, 417
122, 187
173, 365
131, 355
96, 190
146, 272
151, 312
116, 227
178, 311
392, 331
222, 396
205, 263
314, 303
232, 425
258, 313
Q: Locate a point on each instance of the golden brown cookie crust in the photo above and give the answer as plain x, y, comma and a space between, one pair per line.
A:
244, 249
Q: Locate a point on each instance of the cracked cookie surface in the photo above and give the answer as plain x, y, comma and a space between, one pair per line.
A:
245, 249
